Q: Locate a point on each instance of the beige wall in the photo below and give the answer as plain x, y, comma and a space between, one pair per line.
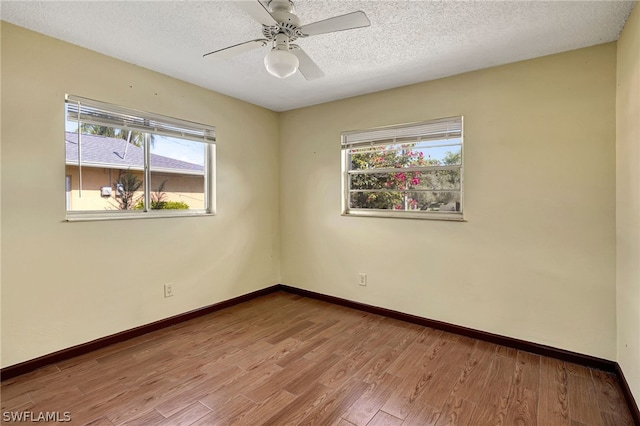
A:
67, 283
628, 201
536, 258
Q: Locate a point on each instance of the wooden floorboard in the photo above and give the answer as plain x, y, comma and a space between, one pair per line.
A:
283, 359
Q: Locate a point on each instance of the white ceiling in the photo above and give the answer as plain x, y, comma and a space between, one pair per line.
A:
407, 42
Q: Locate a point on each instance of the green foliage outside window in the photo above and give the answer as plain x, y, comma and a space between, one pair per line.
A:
164, 205
399, 189
159, 201
126, 188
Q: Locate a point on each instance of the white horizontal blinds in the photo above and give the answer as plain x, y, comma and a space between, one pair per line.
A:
103, 114
441, 129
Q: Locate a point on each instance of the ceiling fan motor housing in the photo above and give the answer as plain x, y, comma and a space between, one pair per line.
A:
288, 23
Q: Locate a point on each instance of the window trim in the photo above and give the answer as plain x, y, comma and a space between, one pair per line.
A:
387, 130
197, 132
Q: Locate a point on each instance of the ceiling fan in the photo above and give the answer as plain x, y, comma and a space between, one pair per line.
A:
280, 27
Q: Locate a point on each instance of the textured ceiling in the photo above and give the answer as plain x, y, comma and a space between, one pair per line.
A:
407, 42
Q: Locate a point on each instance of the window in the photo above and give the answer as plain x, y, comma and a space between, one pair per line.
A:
122, 163
411, 171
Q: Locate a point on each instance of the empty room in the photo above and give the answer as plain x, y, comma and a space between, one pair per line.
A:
267, 212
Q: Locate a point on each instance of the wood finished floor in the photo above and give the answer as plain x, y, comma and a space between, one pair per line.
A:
288, 360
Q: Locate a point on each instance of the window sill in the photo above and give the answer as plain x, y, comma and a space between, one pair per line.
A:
96, 216
449, 217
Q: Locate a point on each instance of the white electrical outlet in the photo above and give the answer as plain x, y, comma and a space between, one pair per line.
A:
168, 290
362, 279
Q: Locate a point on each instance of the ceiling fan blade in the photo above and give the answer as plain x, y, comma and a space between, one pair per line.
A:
307, 67
236, 49
257, 12
338, 23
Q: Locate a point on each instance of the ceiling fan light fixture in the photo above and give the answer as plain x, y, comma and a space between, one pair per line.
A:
281, 26
281, 63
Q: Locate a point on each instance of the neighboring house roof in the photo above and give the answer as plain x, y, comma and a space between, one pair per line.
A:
106, 152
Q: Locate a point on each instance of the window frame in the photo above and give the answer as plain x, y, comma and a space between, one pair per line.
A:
346, 146
198, 132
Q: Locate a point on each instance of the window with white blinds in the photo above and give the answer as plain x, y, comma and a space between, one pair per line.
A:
411, 170
124, 163
103, 114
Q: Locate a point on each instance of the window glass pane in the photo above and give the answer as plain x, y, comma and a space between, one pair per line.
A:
105, 168
430, 153
177, 173
119, 159
442, 201
445, 155
415, 167
407, 180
